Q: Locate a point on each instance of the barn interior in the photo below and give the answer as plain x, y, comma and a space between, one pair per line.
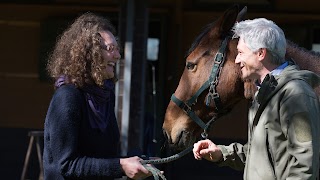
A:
28, 31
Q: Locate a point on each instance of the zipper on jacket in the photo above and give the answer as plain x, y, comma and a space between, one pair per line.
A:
270, 156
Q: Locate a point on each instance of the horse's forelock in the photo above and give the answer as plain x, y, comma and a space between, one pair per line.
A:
199, 38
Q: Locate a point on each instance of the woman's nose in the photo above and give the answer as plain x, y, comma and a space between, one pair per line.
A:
117, 55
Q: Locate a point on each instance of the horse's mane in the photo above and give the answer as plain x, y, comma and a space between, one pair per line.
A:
306, 59
293, 45
198, 39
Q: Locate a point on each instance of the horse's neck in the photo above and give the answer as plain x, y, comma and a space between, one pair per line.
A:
308, 60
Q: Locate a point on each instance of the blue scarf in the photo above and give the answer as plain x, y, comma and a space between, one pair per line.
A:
100, 101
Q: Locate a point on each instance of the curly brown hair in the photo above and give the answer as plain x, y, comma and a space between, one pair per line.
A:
77, 53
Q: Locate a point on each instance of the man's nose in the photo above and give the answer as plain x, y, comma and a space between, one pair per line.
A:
237, 60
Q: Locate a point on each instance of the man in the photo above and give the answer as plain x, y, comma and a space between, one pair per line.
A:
284, 119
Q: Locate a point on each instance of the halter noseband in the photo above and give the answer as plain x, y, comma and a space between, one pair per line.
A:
211, 83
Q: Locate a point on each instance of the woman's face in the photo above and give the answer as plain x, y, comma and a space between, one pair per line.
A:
110, 53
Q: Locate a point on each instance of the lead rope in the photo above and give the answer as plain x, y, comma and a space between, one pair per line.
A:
156, 172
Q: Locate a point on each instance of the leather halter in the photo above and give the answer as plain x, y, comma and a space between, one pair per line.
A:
211, 83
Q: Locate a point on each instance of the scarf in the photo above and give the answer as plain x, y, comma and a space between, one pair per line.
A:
100, 101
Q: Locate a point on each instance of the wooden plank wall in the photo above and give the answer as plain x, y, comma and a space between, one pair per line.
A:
24, 98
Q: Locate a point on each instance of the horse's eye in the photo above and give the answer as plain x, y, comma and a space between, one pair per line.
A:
190, 66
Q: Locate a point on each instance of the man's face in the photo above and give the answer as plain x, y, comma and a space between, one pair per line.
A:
248, 61
110, 53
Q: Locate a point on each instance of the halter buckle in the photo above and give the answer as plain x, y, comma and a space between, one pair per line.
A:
218, 58
210, 97
186, 108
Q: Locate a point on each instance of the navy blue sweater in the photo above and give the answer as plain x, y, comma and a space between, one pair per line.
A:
74, 150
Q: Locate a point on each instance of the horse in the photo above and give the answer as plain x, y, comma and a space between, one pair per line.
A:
211, 86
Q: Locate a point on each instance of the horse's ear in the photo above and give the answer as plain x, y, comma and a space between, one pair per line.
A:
242, 14
227, 20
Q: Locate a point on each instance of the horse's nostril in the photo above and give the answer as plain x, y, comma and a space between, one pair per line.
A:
166, 136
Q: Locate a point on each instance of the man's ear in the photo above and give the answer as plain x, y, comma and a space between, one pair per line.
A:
262, 53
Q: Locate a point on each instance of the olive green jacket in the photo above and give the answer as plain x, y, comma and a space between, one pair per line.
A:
283, 140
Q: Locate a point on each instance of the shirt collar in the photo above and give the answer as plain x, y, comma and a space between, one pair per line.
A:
275, 72
279, 69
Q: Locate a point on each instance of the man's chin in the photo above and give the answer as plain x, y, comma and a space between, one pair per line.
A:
244, 78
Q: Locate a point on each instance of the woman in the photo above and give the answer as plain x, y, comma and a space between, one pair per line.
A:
81, 135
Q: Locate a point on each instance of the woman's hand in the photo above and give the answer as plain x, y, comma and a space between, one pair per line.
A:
133, 168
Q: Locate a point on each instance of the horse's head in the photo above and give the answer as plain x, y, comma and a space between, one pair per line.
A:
210, 83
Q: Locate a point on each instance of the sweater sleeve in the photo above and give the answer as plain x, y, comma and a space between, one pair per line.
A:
61, 139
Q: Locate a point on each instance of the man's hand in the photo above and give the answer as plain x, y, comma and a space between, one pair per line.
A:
208, 150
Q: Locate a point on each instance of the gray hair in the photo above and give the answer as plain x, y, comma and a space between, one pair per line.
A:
262, 33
